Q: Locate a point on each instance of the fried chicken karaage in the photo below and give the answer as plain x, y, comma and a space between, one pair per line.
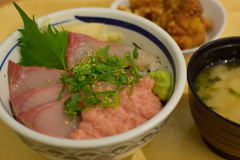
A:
182, 19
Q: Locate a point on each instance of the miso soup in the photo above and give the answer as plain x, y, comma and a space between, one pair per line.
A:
219, 88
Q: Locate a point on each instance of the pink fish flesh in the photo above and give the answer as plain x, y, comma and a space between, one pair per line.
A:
23, 78
48, 119
35, 97
80, 46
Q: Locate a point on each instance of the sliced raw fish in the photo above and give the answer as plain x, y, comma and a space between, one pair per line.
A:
48, 119
23, 78
35, 97
80, 46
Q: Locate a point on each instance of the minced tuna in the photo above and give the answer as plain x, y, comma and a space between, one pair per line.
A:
136, 106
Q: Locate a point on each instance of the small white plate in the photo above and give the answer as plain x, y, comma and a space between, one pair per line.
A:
212, 9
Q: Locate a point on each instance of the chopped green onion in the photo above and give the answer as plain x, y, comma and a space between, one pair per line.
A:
135, 53
117, 72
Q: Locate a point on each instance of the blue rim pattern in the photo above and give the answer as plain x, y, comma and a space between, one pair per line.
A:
115, 22
5, 58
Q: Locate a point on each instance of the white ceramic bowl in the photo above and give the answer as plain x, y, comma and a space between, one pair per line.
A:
212, 9
149, 37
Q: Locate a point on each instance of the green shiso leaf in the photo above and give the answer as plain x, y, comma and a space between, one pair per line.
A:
41, 48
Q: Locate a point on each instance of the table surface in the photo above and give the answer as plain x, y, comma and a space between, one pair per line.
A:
178, 140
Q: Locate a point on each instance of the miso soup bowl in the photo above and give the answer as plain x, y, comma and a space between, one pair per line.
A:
135, 29
220, 134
